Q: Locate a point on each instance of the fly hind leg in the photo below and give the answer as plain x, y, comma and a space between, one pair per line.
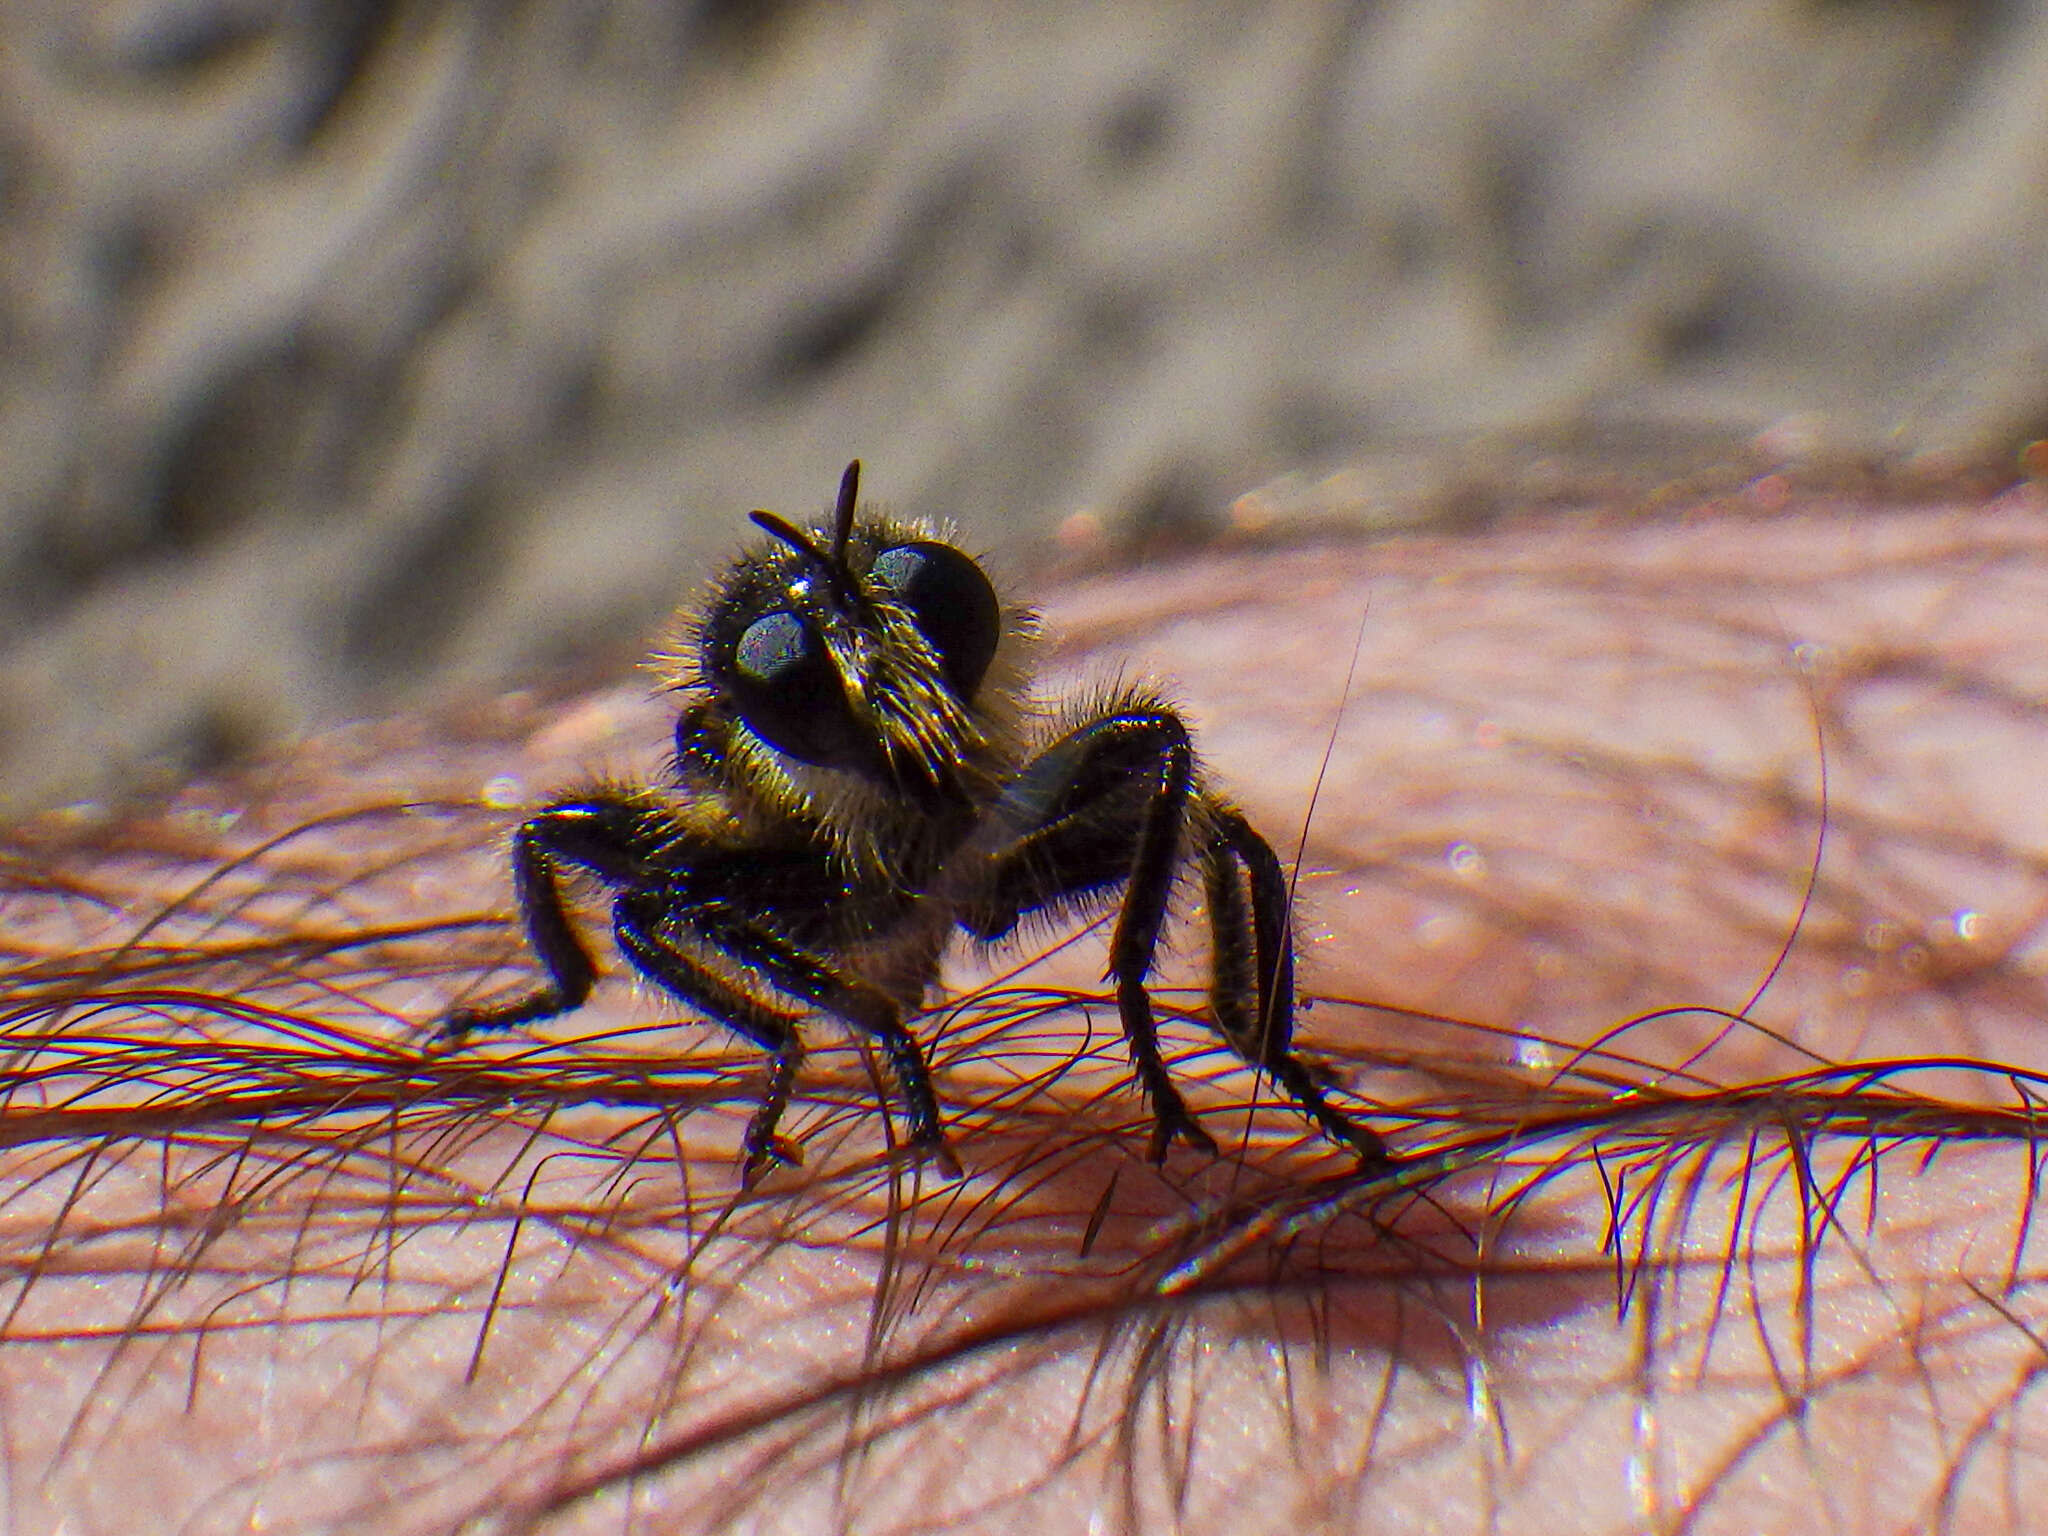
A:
1251, 978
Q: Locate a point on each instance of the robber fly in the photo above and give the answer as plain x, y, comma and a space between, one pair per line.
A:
857, 774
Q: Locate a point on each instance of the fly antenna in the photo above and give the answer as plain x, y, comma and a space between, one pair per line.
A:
842, 516
831, 563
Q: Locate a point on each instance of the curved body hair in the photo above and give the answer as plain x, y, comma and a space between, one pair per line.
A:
857, 776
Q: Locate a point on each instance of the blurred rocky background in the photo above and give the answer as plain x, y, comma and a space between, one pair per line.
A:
356, 352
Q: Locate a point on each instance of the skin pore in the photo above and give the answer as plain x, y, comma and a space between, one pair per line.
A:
1571, 928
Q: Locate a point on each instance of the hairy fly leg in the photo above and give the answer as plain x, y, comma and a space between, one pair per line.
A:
817, 980
1104, 805
640, 920
599, 835
1236, 857
1114, 802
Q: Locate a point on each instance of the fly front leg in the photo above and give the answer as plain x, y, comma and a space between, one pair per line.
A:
1159, 735
1106, 805
638, 923
1115, 802
598, 835
818, 981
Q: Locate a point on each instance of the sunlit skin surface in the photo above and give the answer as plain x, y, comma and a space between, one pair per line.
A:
281, 1261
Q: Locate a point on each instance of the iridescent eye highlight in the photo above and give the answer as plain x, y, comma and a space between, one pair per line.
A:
951, 600
787, 690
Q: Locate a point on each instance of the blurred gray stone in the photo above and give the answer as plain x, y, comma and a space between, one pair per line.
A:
356, 352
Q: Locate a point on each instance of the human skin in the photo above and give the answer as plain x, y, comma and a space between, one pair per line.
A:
279, 1261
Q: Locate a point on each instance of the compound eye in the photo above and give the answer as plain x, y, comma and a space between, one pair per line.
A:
788, 691
952, 602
